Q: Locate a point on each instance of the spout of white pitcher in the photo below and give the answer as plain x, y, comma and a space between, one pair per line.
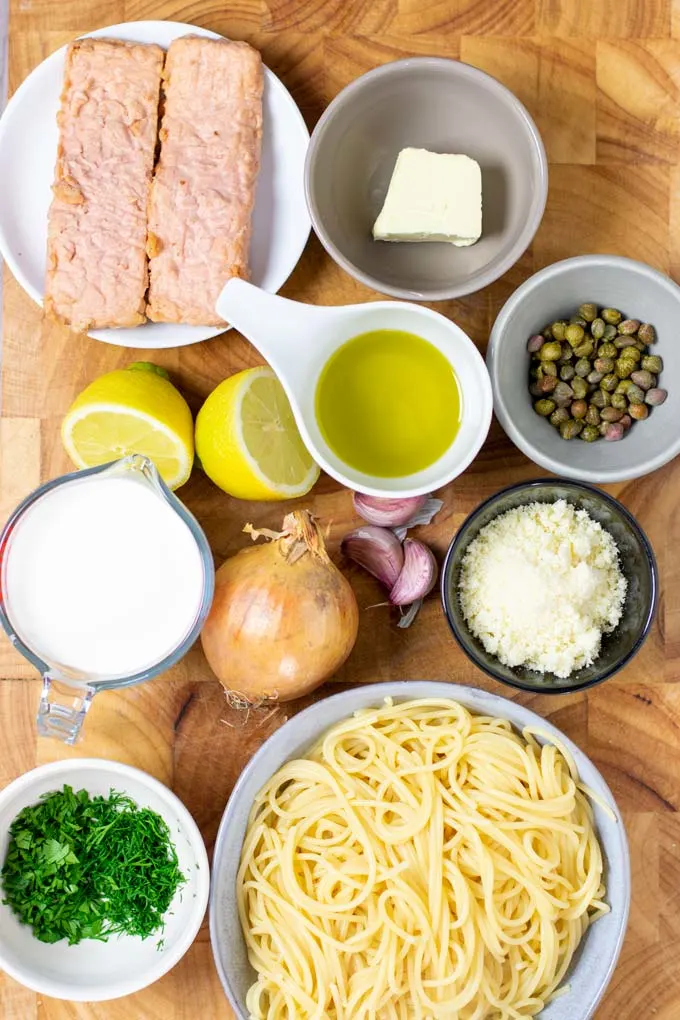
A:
286, 333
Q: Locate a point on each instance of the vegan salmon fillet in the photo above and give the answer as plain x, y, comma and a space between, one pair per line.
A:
97, 271
203, 190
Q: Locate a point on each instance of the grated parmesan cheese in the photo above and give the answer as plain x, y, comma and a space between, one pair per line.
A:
540, 585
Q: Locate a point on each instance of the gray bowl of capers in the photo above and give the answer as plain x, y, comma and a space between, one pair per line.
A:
581, 362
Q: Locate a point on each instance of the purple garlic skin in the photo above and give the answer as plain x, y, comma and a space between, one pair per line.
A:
387, 513
418, 575
377, 550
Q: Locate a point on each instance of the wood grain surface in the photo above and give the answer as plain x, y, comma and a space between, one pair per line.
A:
602, 78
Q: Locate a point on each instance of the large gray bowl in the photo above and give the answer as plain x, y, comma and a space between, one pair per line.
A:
556, 291
444, 106
595, 961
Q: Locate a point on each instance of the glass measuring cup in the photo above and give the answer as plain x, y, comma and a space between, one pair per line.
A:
67, 693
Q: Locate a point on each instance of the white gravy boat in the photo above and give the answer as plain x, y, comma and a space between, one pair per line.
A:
298, 339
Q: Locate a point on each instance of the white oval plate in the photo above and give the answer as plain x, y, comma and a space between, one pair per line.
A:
28, 152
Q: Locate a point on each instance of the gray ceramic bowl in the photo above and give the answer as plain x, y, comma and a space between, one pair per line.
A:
641, 293
637, 563
444, 106
595, 961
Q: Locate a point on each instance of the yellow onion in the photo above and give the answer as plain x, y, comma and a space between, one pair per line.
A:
283, 619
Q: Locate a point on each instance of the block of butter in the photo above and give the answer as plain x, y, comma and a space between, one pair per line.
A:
432, 196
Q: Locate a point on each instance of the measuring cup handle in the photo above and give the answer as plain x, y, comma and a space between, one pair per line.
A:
63, 708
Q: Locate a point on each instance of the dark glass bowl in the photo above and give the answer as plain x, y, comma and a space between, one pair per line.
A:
637, 563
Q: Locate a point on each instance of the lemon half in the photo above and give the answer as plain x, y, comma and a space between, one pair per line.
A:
248, 442
131, 411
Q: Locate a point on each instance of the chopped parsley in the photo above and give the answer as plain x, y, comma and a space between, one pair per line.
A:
81, 867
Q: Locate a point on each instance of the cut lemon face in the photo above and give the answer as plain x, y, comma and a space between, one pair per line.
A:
127, 412
248, 441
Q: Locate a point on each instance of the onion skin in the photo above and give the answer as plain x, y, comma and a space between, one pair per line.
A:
283, 618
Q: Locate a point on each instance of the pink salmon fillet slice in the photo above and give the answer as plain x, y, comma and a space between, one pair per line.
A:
203, 189
97, 270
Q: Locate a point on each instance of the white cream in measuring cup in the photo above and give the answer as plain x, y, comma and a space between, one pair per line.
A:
106, 579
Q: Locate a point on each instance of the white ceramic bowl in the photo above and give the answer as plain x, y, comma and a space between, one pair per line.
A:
556, 291
298, 339
596, 958
95, 971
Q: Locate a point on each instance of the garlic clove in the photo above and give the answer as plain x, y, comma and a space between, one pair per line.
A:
418, 575
377, 550
387, 513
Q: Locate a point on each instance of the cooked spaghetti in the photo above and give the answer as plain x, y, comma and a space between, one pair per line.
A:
421, 863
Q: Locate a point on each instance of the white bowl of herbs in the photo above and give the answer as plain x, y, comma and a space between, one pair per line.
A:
104, 880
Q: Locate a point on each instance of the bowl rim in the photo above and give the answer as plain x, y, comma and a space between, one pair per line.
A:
167, 958
476, 700
531, 224
603, 475
569, 483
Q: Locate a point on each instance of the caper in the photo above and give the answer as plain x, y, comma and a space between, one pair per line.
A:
547, 332
624, 386
535, 343
623, 342
655, 396
611, 315
609, 332
626, 421
639, 346
614, 432
607, 350
580, 387
638, 411
585, 349
631, 353
593, 416
635, 395
547, 383
559, 415
549, 368
563, 394
577, 320
594, 377
597, 328
567, 354
609, 383
588, 311
619, 401
652, 363
647, 333
644, 379
601, 399
574, 334
589, 433
544, 407
558, 329
624, 367
570, 429
567, 372
603, 365
535, 389
583, 367
611, 414
578, 409
550, 351
629, 326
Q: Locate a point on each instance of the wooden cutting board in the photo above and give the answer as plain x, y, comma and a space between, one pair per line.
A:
602, 79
